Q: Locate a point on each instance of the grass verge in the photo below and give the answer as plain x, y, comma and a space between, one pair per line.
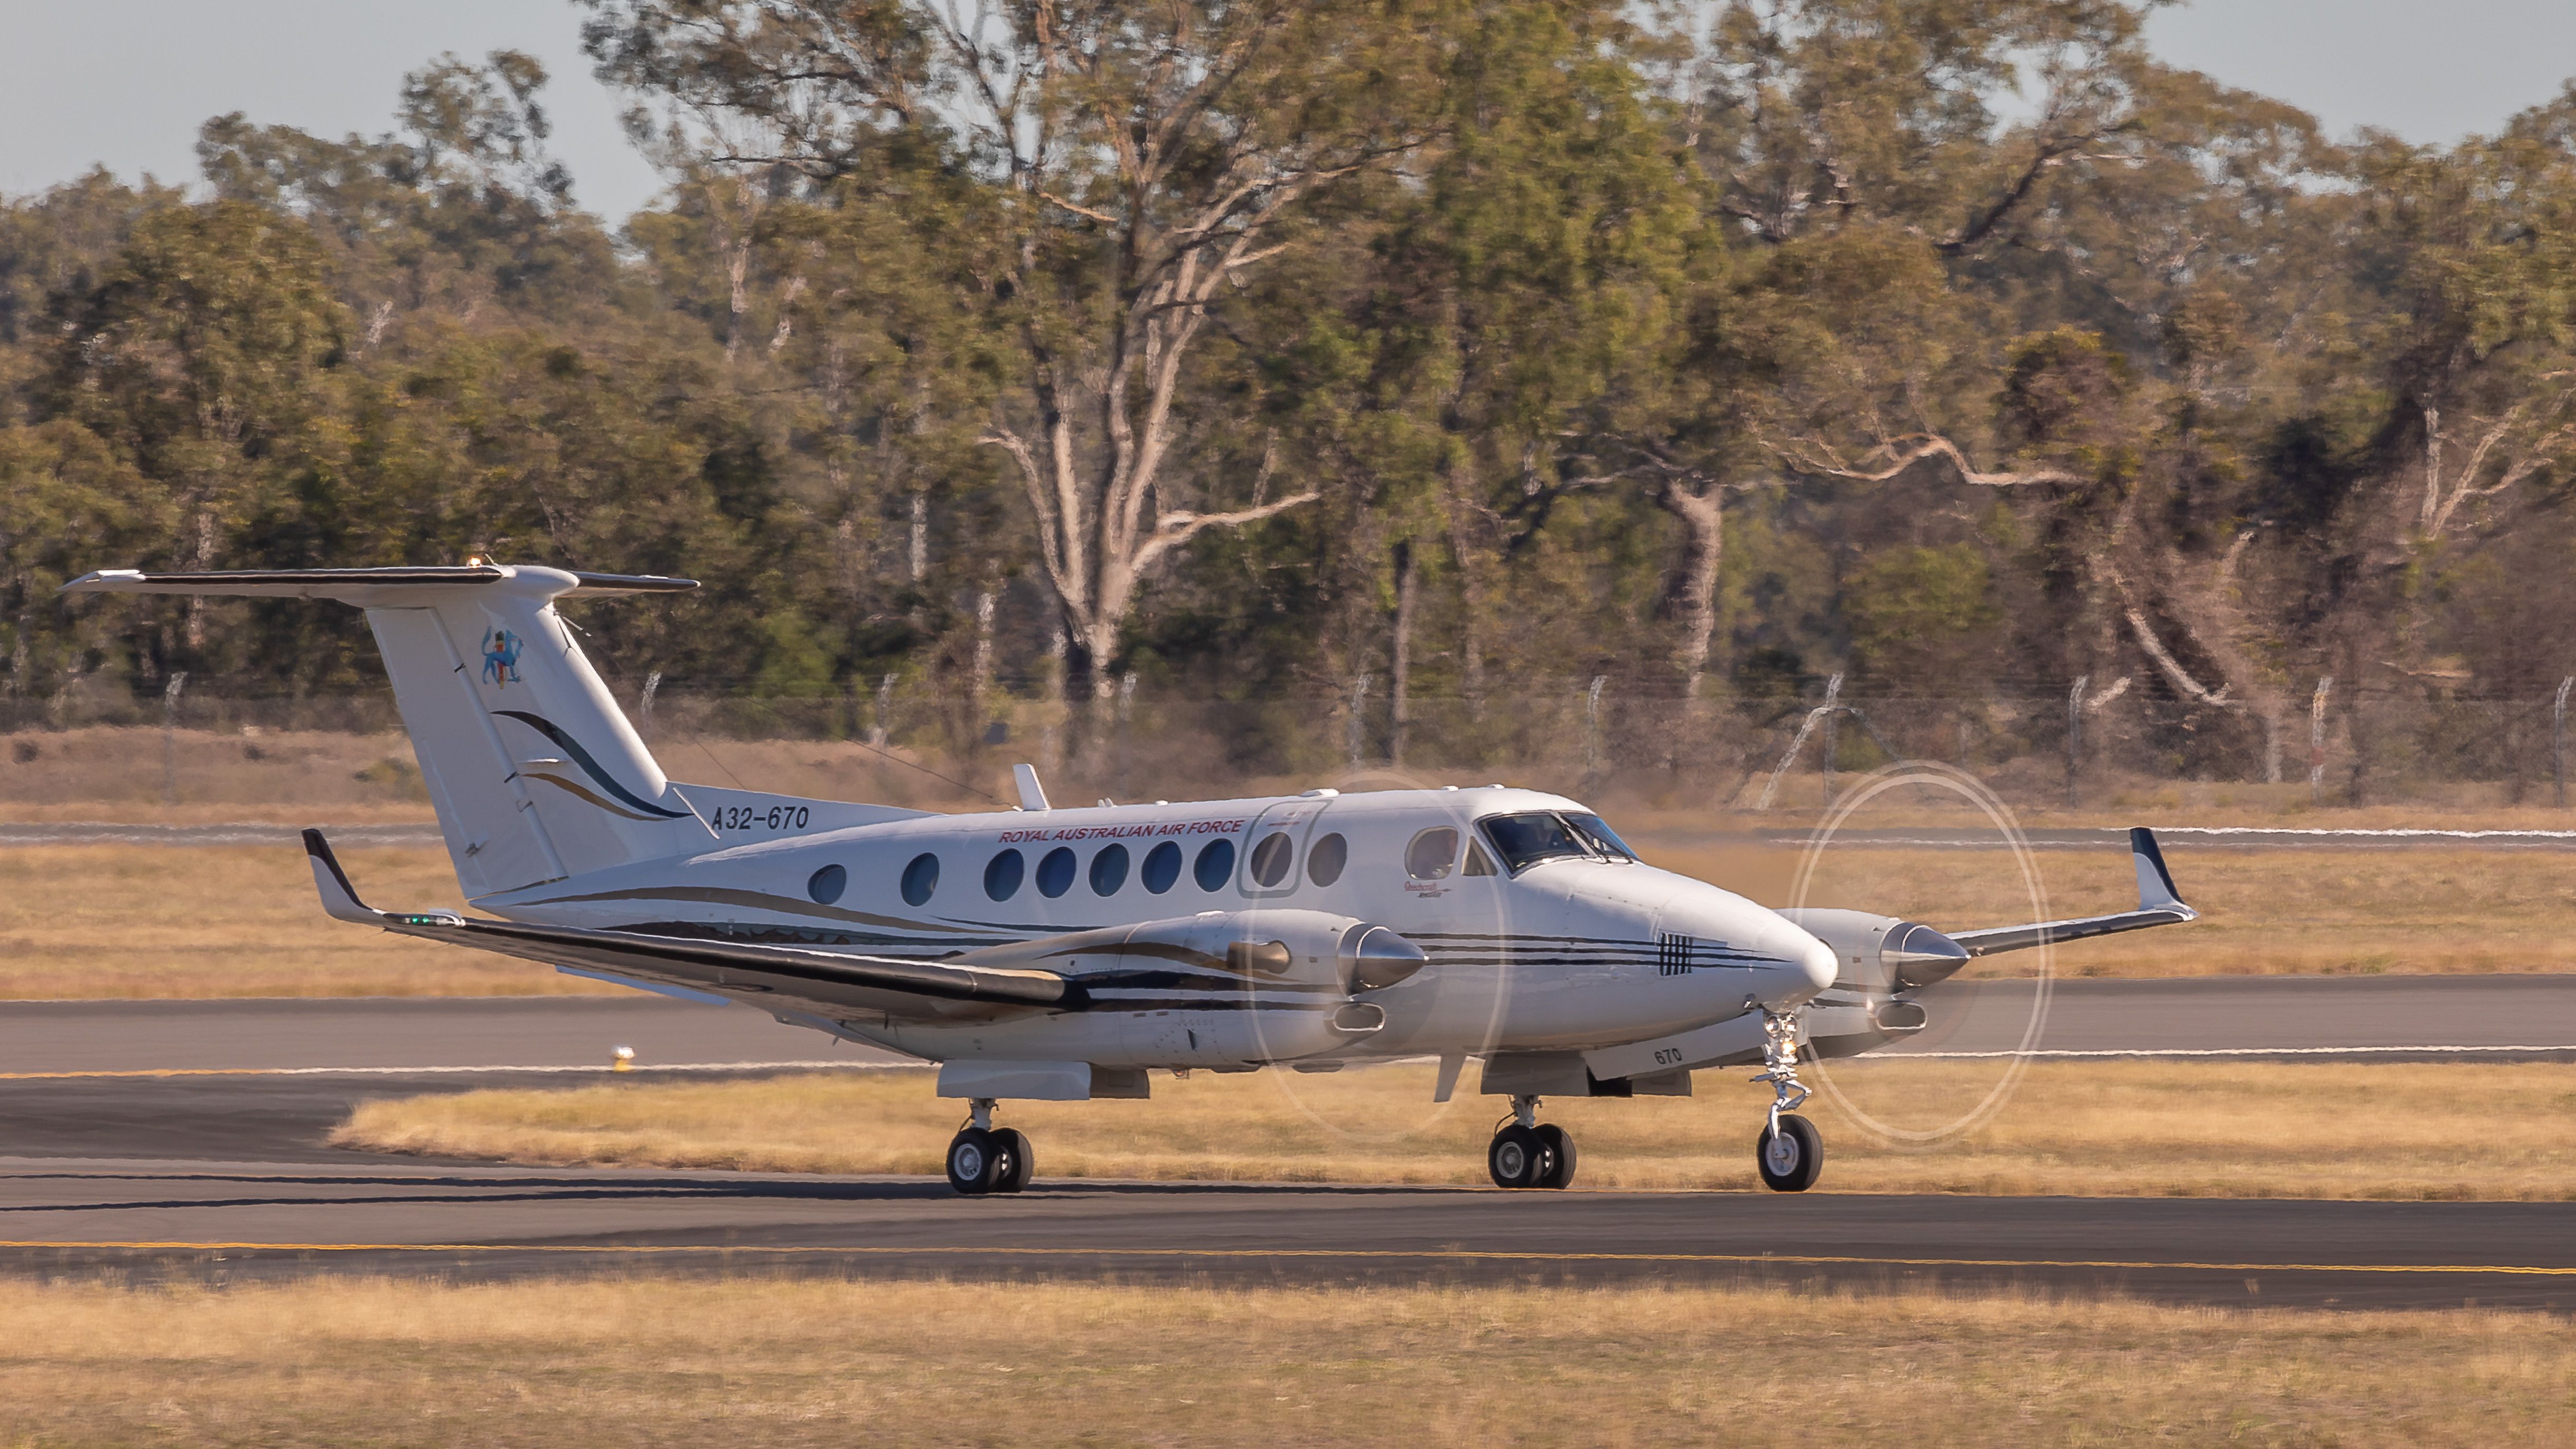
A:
2381, 1130
92, 921
651, 1361
151, 920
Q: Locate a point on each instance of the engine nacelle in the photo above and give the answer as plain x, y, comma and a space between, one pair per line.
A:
1225, 989
1881, 955
1305, 948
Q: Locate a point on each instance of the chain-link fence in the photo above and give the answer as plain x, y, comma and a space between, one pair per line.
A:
926, 742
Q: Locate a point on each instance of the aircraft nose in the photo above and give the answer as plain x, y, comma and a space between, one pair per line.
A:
1804, 966
1817, 960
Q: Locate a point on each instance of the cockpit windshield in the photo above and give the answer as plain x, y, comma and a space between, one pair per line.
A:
1526, 839
1596, 832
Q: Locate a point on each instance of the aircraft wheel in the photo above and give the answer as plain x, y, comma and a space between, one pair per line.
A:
1790, 1159
1517, 1157
1017, 1161
974, 1162
1560, 1156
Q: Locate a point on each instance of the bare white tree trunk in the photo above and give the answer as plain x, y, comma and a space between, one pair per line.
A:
1703, 515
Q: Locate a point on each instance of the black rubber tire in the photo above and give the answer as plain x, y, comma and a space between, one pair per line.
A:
1801, 1159
974, 1162
1560, 1156
1515, 1157
1018, 1162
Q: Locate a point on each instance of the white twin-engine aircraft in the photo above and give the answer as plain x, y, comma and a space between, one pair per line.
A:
1062, 954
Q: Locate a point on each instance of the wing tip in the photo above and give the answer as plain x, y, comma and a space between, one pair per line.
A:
339, 897
2153, 873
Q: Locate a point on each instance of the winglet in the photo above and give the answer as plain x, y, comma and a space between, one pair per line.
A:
2155, 883
339, 898
1032, 794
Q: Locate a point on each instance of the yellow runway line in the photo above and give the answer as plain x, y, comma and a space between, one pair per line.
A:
1792, 1260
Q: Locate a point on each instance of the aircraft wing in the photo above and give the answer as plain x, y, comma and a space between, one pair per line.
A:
2159, 904
774, 978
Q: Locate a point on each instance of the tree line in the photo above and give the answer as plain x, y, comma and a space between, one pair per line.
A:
1252, 346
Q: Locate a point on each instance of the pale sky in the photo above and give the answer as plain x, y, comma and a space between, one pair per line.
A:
126, 82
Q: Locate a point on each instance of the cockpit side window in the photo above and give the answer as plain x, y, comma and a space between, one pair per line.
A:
1478, 862
1525, 840
1431, 854
1597, 833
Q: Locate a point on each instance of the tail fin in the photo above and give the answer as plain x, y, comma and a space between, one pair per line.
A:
534, 770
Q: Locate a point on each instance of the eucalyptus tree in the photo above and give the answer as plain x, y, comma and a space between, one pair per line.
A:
1139, 165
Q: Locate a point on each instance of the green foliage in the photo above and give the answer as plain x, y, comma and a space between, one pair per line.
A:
1753, 341
1923, 619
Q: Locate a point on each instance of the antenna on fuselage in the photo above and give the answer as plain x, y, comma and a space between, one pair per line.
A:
1032, 794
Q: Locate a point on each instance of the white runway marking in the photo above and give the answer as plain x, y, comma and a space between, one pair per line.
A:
585, 1069
2318, 1051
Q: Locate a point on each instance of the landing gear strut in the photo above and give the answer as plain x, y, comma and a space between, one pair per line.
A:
1528, 1153
1790, 1152
982, 1160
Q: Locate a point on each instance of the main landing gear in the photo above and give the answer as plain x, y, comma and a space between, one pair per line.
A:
1527, 1154
982, 1160
1790, 1152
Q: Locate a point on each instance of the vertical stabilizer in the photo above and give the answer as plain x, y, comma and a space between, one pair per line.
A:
533, 769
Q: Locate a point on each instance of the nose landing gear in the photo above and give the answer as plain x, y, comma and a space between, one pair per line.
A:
1528, 1153
982, 1160
1790, 1153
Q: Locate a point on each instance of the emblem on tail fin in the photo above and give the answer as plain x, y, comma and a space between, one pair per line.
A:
501, 658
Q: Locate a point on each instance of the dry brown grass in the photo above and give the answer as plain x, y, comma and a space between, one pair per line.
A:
2384, 1130
767, 1361
2263, 912
85, 921
151, 920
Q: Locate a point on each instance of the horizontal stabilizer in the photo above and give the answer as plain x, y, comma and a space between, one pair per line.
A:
353, 586
773, 976
2159, 904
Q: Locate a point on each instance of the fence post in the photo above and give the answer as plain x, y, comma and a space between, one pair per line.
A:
1833, 733
2075, 735
2272, 745
2317, 740
170, 736
1356, 725
2558, 739
1051, 741
1592, 729
644, 715
877, 731
1126, 712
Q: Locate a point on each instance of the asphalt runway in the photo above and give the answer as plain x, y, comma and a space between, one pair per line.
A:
186, 1139
2490, 1016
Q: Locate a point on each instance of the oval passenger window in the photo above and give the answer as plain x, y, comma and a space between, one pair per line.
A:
1055, 873
1216, 865
1109, 870
920, 878
1326, 857
1162, 867
826, 885
1271, 857
1431, 854
1002, 877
